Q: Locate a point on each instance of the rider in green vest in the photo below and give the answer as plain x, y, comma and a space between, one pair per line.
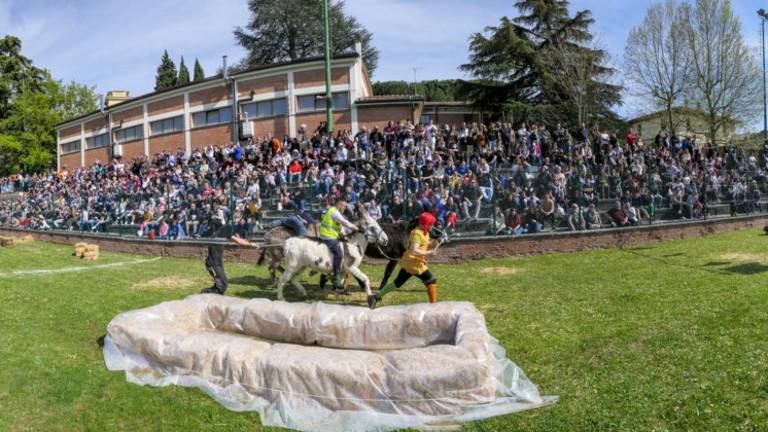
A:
332, 226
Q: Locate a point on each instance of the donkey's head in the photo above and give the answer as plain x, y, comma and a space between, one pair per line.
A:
369, 226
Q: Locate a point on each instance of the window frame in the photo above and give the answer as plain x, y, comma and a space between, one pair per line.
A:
104, 138
123, 131
167, 121
76, 142
319, 102
206, 114
272, 111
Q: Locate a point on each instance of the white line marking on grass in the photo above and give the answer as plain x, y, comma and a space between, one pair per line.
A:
75, 269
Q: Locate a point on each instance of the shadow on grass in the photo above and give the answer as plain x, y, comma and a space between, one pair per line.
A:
100, 341
748, 268
251, 281
716, 263
677, 254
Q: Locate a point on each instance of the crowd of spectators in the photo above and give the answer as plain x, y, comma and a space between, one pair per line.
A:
522, 179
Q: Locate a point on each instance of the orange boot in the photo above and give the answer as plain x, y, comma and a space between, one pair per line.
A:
432, 292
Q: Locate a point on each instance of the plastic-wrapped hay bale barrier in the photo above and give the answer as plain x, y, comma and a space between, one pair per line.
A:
325, 367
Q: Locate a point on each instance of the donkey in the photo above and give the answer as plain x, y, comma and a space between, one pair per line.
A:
398, 234
302, 252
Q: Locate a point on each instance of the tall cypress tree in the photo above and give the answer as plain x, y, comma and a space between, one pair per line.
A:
199, 74
183, 73
166, 73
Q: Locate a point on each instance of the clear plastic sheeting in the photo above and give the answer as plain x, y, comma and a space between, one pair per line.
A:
325, 367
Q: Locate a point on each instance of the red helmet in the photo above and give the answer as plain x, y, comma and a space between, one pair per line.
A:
426, 220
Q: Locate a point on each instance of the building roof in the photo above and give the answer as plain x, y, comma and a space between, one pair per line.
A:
677, 110
372, 100
211, 79
447, 104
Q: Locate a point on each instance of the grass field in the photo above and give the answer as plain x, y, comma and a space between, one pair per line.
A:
672, 336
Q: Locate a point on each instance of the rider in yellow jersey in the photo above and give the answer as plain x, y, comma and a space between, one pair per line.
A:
332, 226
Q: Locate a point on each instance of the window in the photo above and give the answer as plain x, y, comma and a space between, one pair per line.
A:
212, 117
98, 141
263, 109
317, 102
70, 147
173, 124
129, 134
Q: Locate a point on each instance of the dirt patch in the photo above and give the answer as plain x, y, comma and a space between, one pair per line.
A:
169, 283
744, 257
499, 270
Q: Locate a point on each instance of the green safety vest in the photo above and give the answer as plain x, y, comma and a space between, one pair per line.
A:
329, 228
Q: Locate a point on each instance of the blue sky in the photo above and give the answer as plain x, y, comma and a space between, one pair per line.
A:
118, 44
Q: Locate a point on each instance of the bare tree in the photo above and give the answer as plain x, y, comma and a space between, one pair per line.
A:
657, 59
726, 81
575, 72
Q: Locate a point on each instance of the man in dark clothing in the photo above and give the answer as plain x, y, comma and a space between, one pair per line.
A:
618, 216
214, 262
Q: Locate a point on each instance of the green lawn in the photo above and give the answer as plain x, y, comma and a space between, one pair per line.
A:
672, 336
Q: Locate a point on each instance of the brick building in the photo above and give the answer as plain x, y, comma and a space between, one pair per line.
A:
268, 100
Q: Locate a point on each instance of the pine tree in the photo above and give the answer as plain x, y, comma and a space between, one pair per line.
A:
166, 73
199, 74
519, 65
283, 30
183, 73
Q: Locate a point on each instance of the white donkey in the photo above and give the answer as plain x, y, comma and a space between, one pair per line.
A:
301, 253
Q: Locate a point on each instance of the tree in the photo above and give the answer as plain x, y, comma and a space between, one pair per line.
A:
657, 60
183, 73
286, 30
727, 80
166, 73
17, 74
512, 70
199, 74
432, 90
28, 133
73, 100
571, 73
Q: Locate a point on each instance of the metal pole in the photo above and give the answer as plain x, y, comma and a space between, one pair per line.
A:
763, 17
328, 94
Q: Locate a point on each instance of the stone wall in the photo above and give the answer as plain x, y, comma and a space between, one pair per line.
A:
456, 251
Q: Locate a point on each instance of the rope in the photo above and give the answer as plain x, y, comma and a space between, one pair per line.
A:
378, 246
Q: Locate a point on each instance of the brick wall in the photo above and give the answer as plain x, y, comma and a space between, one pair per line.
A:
208, 96
277, 126
166, 105
97, 154
69, 132
214, 135
341, 120
269, 84
170, 142
456, 251
71, 161
134, 113
133, 149
95, 125
316, 77
370, 116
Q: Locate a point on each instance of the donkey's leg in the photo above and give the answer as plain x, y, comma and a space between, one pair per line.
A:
388, 272
297, 284
360, 276
284, 278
